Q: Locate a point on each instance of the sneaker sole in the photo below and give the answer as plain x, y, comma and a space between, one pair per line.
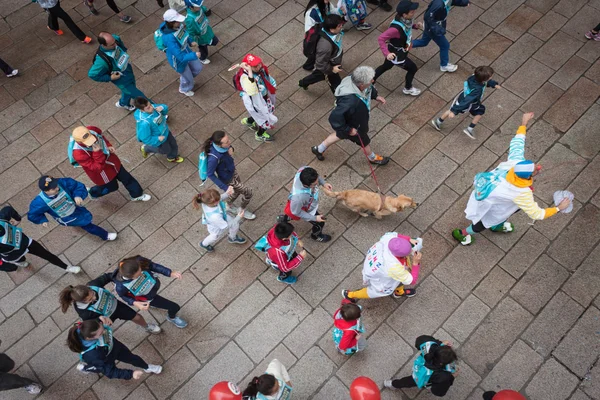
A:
469, 134
437, 128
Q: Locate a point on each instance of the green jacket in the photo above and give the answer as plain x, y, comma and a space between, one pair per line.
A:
198, 26
100, 71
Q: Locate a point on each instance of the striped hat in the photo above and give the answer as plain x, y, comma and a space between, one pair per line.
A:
524, 169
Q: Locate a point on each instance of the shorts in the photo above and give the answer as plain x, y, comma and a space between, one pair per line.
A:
474, 109
365, 138
123, 312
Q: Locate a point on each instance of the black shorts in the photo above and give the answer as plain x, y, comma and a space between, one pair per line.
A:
474, 109
124, 312
355, 139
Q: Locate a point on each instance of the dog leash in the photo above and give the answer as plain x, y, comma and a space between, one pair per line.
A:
369, 162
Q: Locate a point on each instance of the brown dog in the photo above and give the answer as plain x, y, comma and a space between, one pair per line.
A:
361, 200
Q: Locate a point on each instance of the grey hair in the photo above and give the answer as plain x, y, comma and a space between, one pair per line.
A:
363, 75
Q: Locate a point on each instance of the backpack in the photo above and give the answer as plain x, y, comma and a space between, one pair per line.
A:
158, 39
484, 184
356, 10
311, 37
203, 166
420, 373
105, 58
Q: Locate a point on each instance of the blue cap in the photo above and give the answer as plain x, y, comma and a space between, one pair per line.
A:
524, 169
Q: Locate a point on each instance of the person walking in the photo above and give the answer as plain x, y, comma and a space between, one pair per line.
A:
180, 56
197, 24
152, 130
435, 29
63, 198
221, 170
329, 53
350, 117
314, 17
506, 189
112, 5
274, 384
396, 42
7, 69
55, 12
111, 64
14, 245
10, 381
94, 153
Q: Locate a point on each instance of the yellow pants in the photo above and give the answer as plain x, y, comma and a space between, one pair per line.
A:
362, 293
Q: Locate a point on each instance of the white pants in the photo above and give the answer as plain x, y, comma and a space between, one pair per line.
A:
215, 233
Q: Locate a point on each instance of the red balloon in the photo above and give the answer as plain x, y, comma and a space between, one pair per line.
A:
508, 395
225, 391
363, 388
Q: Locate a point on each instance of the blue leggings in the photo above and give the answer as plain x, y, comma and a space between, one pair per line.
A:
442, 43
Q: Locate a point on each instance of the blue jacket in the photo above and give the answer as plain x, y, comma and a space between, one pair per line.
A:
38, 207
126, 295
100, 361
100, 71
464, 101
220, 168
436, 14
147, 131
176, 57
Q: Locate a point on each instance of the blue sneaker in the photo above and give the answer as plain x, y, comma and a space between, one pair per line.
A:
237, 240
177, 321
290, 280
208, 248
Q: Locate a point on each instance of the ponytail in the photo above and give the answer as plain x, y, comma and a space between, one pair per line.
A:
72, 293
210, 196
260, 384
80, 330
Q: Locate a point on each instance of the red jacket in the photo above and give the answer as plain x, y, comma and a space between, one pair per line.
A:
278, 256
349, 337
100, 168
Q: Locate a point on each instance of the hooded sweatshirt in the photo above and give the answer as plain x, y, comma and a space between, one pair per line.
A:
151, 126
278, 256
350, 109
178, 56
471, 94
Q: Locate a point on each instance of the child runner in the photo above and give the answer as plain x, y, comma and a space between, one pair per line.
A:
257, 89
93, 301
500, 193
137, 284
274, 384
99, 350
303, 202
152, 130
14, 244
469, 99
390, 264
197, 25
348, 329
216, 219
62, 198
314, 14
112, 5
280, 243
396, 42
434, 368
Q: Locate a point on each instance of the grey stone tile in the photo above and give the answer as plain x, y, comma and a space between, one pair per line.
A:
308, 332
583, 285
280, 353
528, 78
516, 55
514, 369
14, 328
433, 299
310, 372
553, 381
557, 50
579, 348
494, 286
495, 335
542, 99
333, 389
283, 315
430, 210
567, 110
551, 324
466, 318
579, 137
69, 387
175, 371
518, 22
524, 253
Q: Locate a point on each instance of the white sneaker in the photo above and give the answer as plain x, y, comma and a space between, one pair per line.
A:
205, 61
249, 215
449, 68
14, 72
21, 264
413, 91
469, 133
81, 368
189, 93
34, 388
112, 236
153, 369
233, 209
74, 269
467, 240
152, 328
127, 107
388, 384
144, 197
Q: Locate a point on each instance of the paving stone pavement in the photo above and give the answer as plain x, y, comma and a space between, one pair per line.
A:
522, 309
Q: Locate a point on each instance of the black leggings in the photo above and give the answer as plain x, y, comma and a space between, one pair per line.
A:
406, 382
7, 69
57, 12
36, 249
125, 355
317, 228
165, 304
490, 395
478, 227
123, 312
10, 381
409, 66
597, 28
333, 79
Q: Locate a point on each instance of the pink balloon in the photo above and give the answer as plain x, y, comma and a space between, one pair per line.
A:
363, 388
225, 391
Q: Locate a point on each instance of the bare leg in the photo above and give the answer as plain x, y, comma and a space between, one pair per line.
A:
139, 320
